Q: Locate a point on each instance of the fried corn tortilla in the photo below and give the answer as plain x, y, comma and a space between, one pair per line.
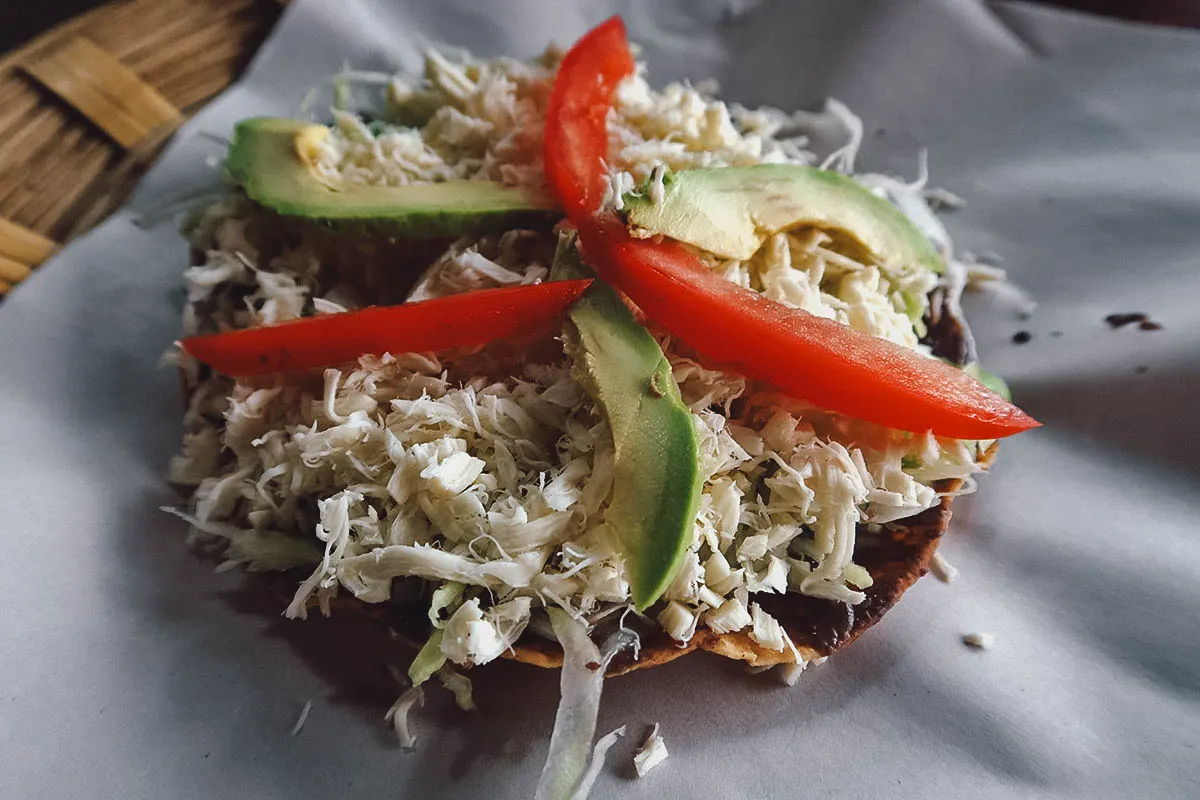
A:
817, 627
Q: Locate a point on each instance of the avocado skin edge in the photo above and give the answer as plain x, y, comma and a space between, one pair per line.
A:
263, 160
656, 472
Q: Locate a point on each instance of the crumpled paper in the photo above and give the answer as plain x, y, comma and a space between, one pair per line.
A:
128, 669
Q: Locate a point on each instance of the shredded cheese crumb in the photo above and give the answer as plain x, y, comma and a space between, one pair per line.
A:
652, 753
678, 621
731, 616
398, 715
303, 718
942, 569
790, 673
766, 631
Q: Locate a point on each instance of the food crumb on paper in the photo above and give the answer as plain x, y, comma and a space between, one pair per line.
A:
942, 569
1143, 321
398, 715
979, 641
652, 753
303, 718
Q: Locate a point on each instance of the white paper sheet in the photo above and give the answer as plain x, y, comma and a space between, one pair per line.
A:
127, 669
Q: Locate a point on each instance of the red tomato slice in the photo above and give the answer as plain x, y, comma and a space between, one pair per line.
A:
576, 136
463, 320
822, 361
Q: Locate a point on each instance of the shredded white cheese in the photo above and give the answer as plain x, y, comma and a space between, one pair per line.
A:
678, 620
652, 753
731, 616
766, 629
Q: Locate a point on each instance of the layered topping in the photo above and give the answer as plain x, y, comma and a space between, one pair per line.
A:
772, 405
500, 488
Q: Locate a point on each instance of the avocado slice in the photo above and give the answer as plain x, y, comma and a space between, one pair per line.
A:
656, 481
271, 159
730, 211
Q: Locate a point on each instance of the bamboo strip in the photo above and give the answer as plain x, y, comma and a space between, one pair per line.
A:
105, 195
206, 86
63, 186
172, 81
52, 158
32, 154
184, 36
27, 139
10, 91
217, 62
105, 91
22, 245
15, 112
140, 21
13, 271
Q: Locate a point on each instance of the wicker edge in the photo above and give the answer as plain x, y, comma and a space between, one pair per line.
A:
17, 257
86, 107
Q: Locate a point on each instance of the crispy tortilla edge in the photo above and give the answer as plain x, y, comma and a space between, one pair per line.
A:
922, 539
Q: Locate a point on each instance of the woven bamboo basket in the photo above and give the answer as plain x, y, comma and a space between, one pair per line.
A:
86, 108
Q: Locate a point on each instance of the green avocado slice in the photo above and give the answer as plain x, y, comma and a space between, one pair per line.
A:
270, 159
730, 211
656, 465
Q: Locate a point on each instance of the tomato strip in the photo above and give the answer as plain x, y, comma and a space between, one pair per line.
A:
820, 360
463, 320
575, 145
